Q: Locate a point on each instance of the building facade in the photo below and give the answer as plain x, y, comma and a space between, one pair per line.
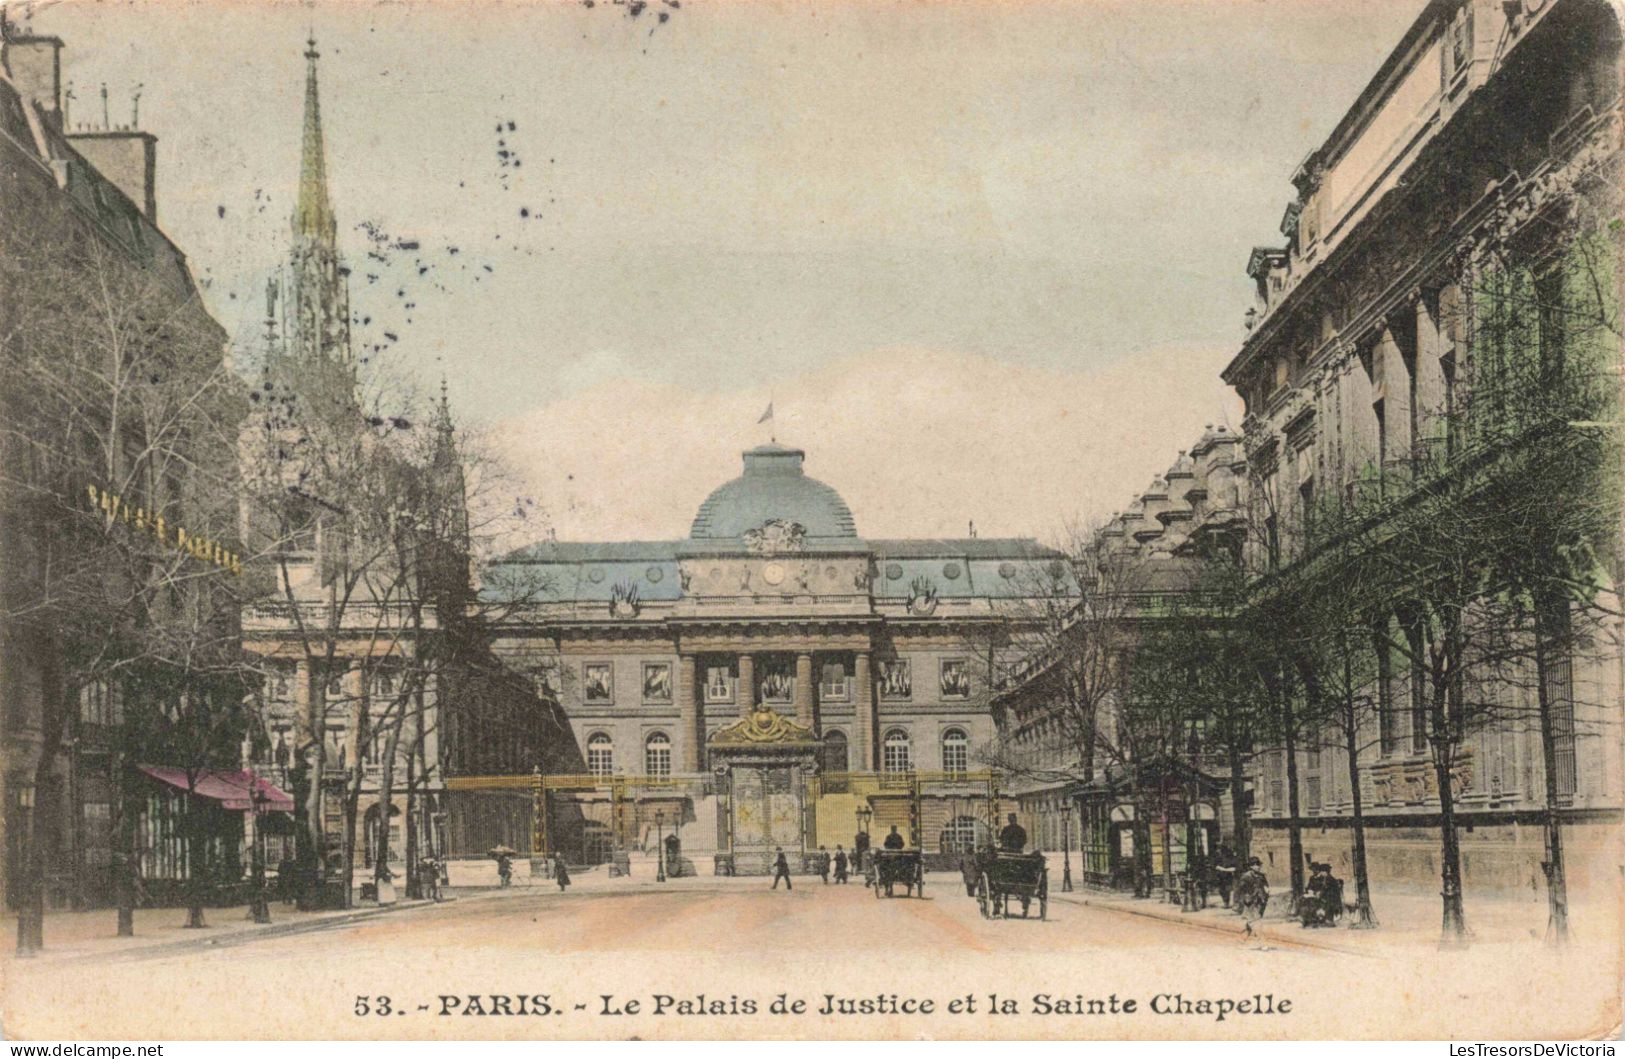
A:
112, 529
1487, 148
773, 628
1065, 695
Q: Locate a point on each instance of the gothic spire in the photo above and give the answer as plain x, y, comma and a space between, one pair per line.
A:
445, 442
313, 216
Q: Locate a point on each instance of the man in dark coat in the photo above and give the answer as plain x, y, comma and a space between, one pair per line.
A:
894, 840
840, 863
1012, 837
561, 874
860, 846
781, 870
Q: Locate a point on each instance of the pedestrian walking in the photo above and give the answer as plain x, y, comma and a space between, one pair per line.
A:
781, 870
561, 873
823, 864
840, 864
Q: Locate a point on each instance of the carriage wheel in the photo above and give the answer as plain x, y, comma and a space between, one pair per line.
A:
1043, 897
982, 898
875, 886
919, 881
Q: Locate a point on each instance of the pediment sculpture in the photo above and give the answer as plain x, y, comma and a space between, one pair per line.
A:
762, 725
776, 535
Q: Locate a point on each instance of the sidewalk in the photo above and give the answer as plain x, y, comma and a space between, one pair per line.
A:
1405, 917
94, 934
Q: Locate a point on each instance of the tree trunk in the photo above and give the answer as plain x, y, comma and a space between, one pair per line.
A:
31, 908
1557, 890
386, 783
315, 876
1454, 923
414, 887
1242, 829
196, 856
127, 859
352, 812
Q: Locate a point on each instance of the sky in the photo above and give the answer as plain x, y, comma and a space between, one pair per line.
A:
984, 259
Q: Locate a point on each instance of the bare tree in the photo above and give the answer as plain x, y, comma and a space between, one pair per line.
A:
119, 414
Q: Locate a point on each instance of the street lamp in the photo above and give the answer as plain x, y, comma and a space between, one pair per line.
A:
1066, 845
660, 846
865, 814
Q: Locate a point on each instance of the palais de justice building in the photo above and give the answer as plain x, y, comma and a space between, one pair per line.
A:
773, 679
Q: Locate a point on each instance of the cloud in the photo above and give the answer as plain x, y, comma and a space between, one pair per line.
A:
919, 442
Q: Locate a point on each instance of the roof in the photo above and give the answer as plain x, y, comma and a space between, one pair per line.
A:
773, 487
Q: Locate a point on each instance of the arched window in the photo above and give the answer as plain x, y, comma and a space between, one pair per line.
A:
657, 755
600, 754
959, 836
955, 751
895, 756
834, 752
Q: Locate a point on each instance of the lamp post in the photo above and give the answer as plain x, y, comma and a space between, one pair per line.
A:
865, 814
1066, 845
660, 846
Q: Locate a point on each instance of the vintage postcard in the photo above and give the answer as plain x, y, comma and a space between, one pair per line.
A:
812, 519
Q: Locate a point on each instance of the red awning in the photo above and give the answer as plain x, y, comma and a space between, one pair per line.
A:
231, 788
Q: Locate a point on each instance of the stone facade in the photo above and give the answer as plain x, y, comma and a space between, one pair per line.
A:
879, 647
1488, 142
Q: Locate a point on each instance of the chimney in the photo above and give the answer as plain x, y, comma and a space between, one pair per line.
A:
34, 65
128, 158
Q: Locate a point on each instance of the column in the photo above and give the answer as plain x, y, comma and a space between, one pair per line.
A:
688, 714
745, 693
804, 690
863, 696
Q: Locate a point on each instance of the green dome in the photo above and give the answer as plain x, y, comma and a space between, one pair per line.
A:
773, 487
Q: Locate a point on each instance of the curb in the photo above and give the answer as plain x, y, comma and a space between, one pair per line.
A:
1209, 925
244, 937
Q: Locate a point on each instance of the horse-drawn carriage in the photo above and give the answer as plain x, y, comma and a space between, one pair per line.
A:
1005, 877
888, 868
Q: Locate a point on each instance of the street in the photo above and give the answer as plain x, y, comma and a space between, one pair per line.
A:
645, 961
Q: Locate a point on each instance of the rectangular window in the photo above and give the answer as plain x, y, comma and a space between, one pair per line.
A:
778, 682
1387, 722
1379, 409
657, 682
955, 679
896, 680
93, 703
1458, 49
1419, 693
1560, 700
719, 687
597, 682
832, 684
